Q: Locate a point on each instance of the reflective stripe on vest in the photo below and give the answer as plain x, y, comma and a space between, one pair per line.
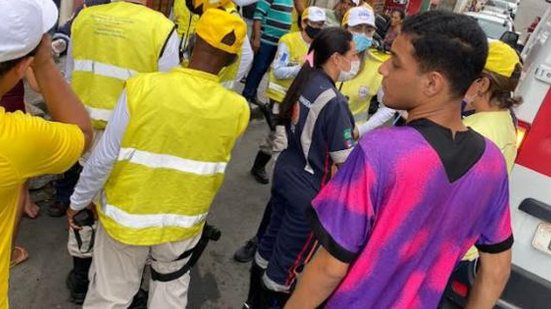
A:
151, 220
278, 88
103, 69
154, 160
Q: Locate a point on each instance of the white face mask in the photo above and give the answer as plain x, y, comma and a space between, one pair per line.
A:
354, 69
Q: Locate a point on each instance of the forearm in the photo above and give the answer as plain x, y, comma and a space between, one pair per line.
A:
382, 115
103, 158
63, 104
489, 284
319, 280
256, 29
299, 6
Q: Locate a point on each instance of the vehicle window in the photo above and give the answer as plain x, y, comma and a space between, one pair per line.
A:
492, 29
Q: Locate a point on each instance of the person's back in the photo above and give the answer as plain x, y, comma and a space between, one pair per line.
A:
204, 118
417, 232
316, 130
111, 43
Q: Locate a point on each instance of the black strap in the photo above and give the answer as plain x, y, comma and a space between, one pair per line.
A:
209, 233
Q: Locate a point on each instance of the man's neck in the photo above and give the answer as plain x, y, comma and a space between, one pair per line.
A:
202, 66
305, 37
447, 115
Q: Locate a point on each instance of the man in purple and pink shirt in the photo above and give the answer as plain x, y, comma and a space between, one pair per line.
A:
410, 201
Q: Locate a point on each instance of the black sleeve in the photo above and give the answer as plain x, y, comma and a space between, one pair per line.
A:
327, 241
497, 248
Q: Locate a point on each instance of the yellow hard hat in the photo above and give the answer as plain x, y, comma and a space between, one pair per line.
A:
215, 24
200, 6
502, 58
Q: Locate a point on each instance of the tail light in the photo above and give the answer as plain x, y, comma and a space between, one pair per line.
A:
522, 130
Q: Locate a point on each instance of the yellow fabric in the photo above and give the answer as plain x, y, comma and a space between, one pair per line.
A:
182, 18
121, 34
215, 24
294, 18
365, 85
29, 146
298, 48
187, 114
209, 4
502, 58
499, 128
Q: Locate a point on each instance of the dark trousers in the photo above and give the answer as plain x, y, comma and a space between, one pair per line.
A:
265, 221
65, 186
287, 242
261, 62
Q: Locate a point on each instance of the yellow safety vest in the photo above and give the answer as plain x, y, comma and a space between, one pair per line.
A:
182, 127
184, 19
298, 48
111, 43
365, 85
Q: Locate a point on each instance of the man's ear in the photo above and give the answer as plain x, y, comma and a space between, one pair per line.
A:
433, 83
22, 66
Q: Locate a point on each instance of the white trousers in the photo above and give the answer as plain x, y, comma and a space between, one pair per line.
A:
116, 273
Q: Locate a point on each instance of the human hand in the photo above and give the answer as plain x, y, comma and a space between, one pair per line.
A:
255, 44
43, 53
71, 213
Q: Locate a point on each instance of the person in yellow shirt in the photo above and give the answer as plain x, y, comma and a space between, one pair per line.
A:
157, 175
360, 21
492, 101
31, 146
491, 98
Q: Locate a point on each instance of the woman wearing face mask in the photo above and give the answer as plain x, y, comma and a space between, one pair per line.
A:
360, 21
291, 50
319, 128
492, 100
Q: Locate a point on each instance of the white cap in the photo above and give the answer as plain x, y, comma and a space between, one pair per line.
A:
356, 2
314, 14
359, 16
23, 24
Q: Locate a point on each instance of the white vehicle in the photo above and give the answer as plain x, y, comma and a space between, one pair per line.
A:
498, 15
498, 6
513, 6
530, 182
493, 26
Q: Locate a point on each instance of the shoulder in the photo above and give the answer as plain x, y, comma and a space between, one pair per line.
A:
392, 139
